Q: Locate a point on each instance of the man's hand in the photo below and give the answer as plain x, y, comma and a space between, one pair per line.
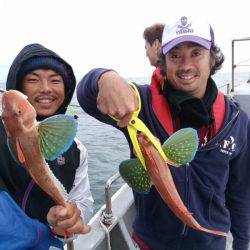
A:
67, 221
116, 97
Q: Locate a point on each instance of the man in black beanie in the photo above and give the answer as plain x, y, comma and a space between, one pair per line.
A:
49, 83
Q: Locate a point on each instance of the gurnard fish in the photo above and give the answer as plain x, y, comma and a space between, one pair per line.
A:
30, 142
161, 177
179, 149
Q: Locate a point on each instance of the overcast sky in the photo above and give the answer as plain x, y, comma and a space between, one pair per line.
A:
108, 33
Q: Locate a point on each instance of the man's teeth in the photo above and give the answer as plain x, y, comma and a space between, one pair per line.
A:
186, 77
45, 101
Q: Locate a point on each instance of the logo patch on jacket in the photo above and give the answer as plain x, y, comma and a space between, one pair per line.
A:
60, 160
228, 146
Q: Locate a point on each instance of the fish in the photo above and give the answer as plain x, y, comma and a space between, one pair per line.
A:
180, 148
162, 179
31, 142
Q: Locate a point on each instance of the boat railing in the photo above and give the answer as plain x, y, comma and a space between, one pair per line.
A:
107, 216
226, 85
234, 65
70, 245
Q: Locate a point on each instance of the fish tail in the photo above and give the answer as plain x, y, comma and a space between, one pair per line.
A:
212, 231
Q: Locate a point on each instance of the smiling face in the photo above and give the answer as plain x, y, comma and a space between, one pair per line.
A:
45, 91
188, 68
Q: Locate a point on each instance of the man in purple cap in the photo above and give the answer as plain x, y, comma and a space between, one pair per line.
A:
215, 186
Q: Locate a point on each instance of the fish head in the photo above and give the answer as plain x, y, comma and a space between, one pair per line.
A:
143, 141
146, 147
151, 156
17, 112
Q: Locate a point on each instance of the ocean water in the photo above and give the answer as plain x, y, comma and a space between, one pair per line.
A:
107, 146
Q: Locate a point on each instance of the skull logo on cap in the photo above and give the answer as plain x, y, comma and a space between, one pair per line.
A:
183, 21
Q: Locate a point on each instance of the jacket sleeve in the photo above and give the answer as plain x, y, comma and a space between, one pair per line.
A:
238, 196
87, 91
80, 192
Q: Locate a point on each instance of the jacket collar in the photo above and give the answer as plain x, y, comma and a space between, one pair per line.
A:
162, 110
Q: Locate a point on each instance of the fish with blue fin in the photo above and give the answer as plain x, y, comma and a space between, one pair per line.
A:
180, 148
31, 142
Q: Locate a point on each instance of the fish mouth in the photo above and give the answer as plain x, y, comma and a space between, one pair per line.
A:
143, 139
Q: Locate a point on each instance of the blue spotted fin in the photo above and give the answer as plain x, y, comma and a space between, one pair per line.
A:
134, 174
57, 134
181, 147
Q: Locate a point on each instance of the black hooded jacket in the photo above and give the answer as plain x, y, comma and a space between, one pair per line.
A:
15, 177
36, 50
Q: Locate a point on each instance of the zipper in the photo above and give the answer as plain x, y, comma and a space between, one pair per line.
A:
185, 228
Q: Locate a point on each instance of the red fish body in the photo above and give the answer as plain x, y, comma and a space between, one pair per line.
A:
161, 177
20, 123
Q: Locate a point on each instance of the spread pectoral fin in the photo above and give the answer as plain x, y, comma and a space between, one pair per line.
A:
135, 175
56, 134
181, 147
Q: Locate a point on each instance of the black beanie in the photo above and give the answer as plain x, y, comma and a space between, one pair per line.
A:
43, 62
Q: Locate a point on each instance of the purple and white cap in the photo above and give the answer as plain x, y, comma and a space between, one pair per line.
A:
187, 30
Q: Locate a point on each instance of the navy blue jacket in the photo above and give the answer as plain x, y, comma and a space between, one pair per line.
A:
215, 187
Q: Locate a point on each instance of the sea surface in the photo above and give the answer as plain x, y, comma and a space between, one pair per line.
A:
107, 146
